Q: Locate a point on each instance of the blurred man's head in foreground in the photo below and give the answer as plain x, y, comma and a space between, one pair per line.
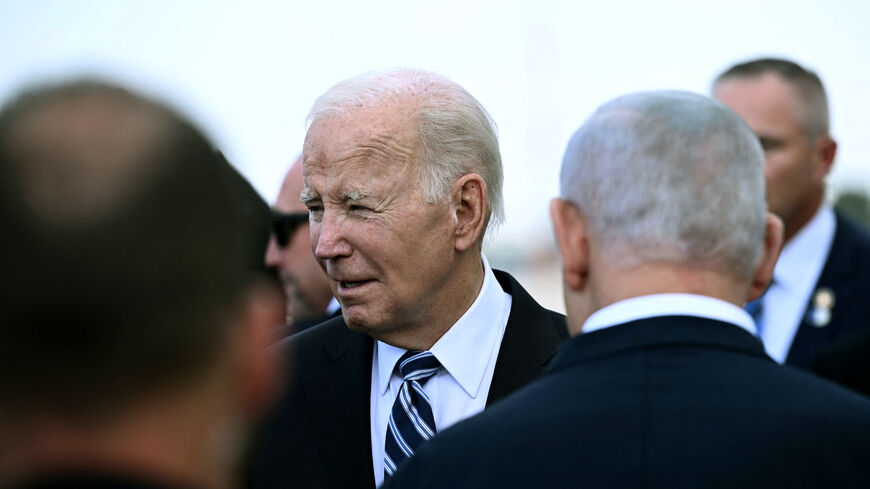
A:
131, 322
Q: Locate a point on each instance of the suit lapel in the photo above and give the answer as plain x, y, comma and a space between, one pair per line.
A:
531, 338
339, 397
837, 276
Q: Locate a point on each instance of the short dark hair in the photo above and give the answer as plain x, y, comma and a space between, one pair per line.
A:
119, 263
806, 83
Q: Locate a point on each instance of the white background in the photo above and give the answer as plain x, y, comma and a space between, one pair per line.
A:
249, 71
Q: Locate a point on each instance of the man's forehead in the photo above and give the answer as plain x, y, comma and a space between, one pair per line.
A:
766, 102
762, 91
393, 120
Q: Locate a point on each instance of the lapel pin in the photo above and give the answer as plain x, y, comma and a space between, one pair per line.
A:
823, 302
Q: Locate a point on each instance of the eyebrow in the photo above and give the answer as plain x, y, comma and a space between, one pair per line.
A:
351, 195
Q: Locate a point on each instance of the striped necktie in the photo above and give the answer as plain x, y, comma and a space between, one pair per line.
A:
411, 420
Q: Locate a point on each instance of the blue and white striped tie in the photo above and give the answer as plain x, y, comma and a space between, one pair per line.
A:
411, 420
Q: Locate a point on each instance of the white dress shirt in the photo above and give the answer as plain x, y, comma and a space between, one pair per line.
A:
797, 271
332, 306
648, 306
467, 351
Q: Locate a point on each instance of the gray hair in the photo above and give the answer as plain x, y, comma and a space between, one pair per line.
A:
808, 89
669, 177
457, 135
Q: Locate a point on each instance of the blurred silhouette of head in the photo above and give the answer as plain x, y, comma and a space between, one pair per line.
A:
124, 273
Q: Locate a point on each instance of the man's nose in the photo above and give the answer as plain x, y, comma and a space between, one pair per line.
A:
328, 238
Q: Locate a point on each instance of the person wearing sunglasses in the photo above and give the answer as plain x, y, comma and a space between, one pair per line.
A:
309, 297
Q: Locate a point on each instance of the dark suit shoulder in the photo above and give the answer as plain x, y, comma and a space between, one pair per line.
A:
632, 417
315, 348
850, 249
531, 339
318, 433
526, 309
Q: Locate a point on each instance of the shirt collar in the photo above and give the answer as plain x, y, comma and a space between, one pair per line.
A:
804, 254
332, 306
668, 305
459, 348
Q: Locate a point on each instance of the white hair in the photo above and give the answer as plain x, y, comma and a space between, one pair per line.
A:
669, 177
457, 135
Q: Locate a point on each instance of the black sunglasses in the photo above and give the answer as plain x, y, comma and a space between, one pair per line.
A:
283, 225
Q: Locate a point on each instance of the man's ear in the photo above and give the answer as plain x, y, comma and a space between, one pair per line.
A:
572, 237
825, 150
262, 367
773, 232
468, 206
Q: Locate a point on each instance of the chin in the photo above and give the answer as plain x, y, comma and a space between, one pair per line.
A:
359, 320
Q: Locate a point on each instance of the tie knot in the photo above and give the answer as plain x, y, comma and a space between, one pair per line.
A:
418, 365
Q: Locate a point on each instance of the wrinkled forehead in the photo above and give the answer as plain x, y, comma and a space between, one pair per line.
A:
382, 138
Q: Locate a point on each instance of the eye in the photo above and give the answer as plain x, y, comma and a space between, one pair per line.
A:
315, 211
358, 209
768, 144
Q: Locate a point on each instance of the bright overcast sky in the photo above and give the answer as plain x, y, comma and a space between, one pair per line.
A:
249, 71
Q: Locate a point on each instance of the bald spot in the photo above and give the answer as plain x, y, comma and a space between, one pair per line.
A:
291, 188
84, 155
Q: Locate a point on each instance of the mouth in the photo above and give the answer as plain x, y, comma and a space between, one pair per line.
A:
351, 285
347, 284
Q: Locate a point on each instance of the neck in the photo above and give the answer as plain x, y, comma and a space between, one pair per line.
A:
612, 285
802, 217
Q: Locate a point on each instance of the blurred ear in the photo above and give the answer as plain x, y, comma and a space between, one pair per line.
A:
772, 246
468, 205
262, 367
572, 237
825, 151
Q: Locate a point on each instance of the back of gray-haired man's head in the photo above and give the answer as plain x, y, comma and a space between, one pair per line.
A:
807, 86
669, 177
457, 135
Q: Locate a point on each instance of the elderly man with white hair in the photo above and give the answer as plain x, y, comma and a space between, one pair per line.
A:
664, 234
402, 178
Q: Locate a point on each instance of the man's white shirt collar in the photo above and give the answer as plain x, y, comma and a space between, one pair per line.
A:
803, 257
655, 305
332, 306
461, 346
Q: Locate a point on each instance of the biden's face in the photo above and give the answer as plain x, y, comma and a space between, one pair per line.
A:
387, 251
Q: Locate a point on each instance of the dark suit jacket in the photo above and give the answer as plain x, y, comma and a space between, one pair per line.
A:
320, 435
303, 324
666, 402
847, 274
